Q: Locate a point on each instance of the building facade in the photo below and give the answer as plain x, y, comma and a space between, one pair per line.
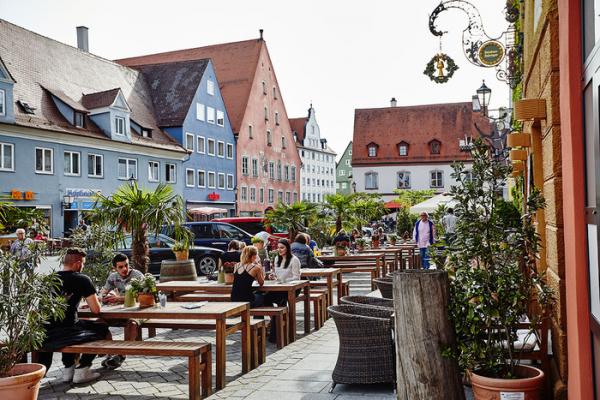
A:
267, 160
317, 173
68, 133
343, 172
411, 147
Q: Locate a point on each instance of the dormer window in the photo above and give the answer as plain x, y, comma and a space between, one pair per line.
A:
146, 133
403, 149
79, 119
120, 125
372, 149
434, 146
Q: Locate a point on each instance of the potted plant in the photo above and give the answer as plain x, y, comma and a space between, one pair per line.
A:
181, 251
393, 239
375, 241
341, 250
361, 243
228, 268
494, 280
27, 301
145, 289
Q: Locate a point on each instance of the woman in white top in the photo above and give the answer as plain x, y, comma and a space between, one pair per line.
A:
286, 269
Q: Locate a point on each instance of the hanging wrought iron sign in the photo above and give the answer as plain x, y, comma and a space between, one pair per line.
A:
440, 68
491, 53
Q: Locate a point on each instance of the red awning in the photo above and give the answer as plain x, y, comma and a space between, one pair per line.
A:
392, 205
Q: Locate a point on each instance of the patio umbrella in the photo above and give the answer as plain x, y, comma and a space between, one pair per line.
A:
431, 204
207, 210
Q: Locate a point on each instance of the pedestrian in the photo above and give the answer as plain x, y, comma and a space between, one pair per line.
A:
449, 224
82, 225
424, 236
21, 246
261, 242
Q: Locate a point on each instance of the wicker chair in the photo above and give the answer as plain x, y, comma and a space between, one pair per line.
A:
368, 301
366, 353
386, 287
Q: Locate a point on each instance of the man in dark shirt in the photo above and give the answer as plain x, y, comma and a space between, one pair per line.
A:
72, 330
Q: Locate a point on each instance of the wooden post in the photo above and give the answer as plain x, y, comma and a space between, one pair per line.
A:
422, 332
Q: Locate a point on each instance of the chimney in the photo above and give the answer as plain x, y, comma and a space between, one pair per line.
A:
82, 38
393, 102
261, 33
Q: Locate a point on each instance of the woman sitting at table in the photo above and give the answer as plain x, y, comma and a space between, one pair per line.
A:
245, 273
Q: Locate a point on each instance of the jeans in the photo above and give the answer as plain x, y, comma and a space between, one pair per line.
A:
424, 257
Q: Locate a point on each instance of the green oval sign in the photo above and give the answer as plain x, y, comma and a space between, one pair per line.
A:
491, 53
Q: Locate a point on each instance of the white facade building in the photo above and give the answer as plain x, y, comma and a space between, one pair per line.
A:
317, 174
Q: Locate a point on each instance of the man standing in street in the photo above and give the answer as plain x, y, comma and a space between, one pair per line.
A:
424, 236
20, 247
449, 224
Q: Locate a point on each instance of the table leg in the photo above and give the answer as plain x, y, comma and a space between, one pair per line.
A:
292, 315
132, 330
245, 340
330, 289
307, 309
220, 359
340, 287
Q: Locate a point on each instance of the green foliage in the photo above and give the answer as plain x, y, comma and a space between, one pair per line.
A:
405, 221
353, 210
517, 193
321, 228
340, 206
492, 269
27, 301
291, 217
409, 198
12, 218
146, 285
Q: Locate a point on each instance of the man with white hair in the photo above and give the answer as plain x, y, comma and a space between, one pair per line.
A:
20, 247
424, 235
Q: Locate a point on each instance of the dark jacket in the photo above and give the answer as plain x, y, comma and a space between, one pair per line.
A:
305, 255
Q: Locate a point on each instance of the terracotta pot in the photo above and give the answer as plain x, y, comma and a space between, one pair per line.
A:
530, 384
360, 248
375, 244
24, 382
393, 242
340, 252
182, 255
228, 278
146, 300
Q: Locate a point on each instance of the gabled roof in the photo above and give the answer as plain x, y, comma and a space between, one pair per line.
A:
173, 87
235, 66
100, 99
5, 71
37, 62
298, 126
66, 99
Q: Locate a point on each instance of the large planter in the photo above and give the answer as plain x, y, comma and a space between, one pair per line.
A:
178, 271
528, 386
146, 300
181, 255
24, 384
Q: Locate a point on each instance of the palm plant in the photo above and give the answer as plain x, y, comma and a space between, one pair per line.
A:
341, 207
367, 207
291, 216
137, 210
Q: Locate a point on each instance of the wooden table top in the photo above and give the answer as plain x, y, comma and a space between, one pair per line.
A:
173, 310
319, 271
353, 257
269, 286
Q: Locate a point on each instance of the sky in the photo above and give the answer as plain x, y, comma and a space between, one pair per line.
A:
339, 55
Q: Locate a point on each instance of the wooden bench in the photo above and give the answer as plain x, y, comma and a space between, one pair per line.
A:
199, 357
360, 268
319, 300
280, 315
258, 332
323, 283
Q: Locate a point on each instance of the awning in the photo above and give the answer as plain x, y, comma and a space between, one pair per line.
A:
207, 210
392, 205
430, 205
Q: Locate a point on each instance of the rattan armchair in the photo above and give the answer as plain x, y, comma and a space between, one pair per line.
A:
368, 301
366, 353
386, 287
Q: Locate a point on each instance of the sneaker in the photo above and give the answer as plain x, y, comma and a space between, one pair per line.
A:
85, 374
113, 362
67, 374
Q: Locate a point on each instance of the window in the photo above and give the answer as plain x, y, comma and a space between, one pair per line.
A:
78, 119
350, 152
276, 118
189, 141
269, 138
153, 171
220, 118
266, 113
271, 195
201, 178
295, 197
221, 149
229, 181
403, 149
95, 164
200, 144
261, 195
211, 147
403, 180
280, 196
7, 157
190, 177
230, 151
372, 150
434, 147
127, 168
210, 87
283, 142
43, 161
146, 133
348, 162
210, 115
344, 185
120, 125
274, 93
288, 199
253, 195
170, 173
371, 179
200, 111
286, 173
264, 87
254, 167
250, 132
221, 180
2, 102
211, 180
437, 179
244, 165
342, 172
244, 193
293, 173
278, 170
271, 170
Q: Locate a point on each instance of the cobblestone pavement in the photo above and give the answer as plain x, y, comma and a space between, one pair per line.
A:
166, 377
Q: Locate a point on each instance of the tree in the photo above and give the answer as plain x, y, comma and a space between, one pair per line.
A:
366, 207
292, 216
409, 198
138, 211
340, 205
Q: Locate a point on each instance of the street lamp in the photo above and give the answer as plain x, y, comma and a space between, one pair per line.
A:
484, 94
131, 180
354, 187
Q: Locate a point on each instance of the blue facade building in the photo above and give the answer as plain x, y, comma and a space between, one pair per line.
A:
73, 124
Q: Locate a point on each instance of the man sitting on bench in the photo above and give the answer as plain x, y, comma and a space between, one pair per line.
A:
71, 330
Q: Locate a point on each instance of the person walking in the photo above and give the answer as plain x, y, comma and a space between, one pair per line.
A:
424, 236
449, 224
20, 247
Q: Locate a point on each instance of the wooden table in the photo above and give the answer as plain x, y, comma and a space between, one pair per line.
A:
393, 251
327, 273
379, 259
218, 311
270, 286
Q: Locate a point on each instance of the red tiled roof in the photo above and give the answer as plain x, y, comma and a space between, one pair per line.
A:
235, 65
417, 126
99, 99
298, 126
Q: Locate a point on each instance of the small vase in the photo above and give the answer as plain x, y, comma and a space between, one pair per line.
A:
129, 299
146, 300
221, 277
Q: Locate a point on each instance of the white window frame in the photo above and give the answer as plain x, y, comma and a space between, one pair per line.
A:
219, 176
398, 180
342, 172
213, 146
203, 173
220, 118
189, 141
71, 153
187, 174
200, 112
269, 138
94, 156
43, 170
376, 185
403, 150
229, 151
214, 179
128, 163
153, 164
348, 162
271, 196
2, 103
252, 194
230, 182
293, 173
244, 194
374, 148
255, 164
3, 147
261, 195
173, 174
246, 168
436, 171
210, 87
210, 115
201, 149
117, 120
271, 170
221, 149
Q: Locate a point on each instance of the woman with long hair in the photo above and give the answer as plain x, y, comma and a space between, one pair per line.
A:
245, 273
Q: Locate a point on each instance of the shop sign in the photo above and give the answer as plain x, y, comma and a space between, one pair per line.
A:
22, 195
491, 53
82, 192
214, 196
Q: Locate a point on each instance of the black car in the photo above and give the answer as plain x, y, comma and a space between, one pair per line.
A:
214, 234
160, 249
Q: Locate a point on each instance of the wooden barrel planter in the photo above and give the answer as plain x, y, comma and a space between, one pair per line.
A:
172, 270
